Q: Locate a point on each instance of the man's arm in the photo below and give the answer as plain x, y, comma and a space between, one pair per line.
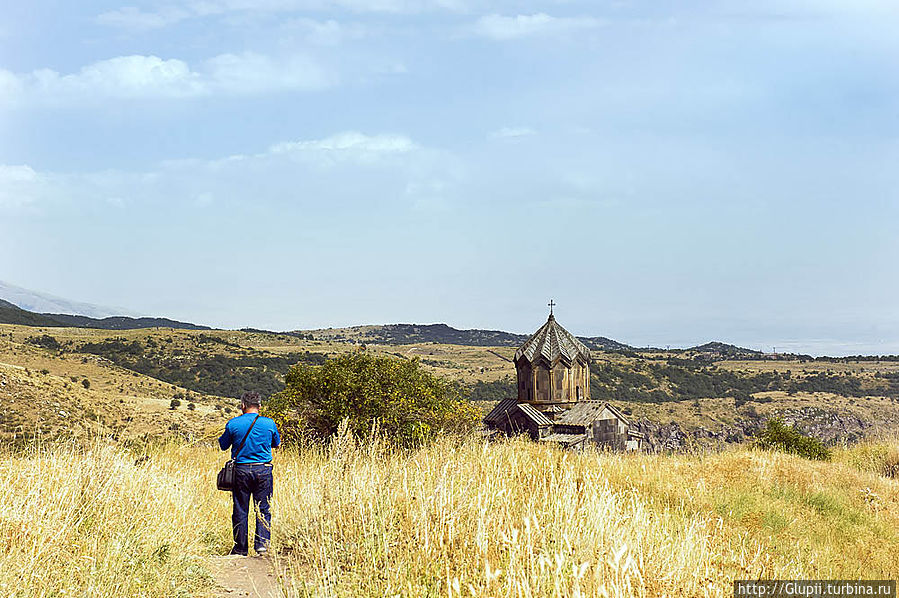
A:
276, 438
225, 439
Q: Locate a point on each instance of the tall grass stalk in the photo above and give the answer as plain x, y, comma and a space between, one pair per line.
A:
455, 518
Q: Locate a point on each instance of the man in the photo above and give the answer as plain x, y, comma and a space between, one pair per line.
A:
253, 471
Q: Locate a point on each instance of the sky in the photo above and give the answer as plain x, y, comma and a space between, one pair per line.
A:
669, 173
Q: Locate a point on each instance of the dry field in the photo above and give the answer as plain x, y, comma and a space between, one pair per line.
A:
458, 518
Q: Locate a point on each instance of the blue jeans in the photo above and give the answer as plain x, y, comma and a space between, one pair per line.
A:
251, 479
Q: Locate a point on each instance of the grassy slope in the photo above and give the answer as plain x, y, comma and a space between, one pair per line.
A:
43, 393
35, 400
514, 518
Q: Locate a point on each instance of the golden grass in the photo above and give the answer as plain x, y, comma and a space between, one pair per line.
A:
89, 522
458, 518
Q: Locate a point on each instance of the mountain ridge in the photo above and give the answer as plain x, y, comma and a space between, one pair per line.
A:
404, 334
44, 303
13, 314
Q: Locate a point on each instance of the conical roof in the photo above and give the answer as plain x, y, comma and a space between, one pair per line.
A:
551, 343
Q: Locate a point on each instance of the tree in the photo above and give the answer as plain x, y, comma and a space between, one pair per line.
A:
778, 436
86, 383
409, 404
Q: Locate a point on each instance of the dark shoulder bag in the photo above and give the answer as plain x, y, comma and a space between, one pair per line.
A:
225, 479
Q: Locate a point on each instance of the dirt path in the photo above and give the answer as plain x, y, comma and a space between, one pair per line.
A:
242, 577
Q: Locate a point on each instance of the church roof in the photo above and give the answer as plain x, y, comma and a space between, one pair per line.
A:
498, 413
587, 412
552, 342
502, 411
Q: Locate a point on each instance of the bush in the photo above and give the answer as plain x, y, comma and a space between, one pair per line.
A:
191, 407
408, 404
776, 435
86, 383
45, 340
174, 404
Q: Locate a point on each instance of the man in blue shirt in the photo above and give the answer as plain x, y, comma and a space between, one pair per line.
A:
252, 472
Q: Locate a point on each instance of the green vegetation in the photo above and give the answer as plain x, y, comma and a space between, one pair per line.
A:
492, 391
778, 436
200, 370
45, 340
676, 379
407, 403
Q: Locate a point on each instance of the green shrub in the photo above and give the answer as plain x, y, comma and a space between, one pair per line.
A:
776, 435
407, 403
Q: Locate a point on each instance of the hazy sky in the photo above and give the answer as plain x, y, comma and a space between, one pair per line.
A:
668, 172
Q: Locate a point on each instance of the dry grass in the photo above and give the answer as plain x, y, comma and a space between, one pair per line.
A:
528, 520
456, 518
89, 522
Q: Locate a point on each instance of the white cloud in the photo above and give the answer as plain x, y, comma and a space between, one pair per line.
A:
501, 27
132, 17
204, 199
349, 142
251, 73
10, 86
507, 132
139, 77
19, 184
346, 165
122, 77
324, 33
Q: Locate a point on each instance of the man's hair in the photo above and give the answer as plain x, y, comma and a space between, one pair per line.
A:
251, 398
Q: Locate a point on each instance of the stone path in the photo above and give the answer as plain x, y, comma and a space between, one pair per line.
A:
244, 577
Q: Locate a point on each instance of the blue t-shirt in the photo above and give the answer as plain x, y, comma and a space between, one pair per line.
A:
262, 439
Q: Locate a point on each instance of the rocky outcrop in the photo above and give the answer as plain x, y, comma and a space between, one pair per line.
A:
828, 425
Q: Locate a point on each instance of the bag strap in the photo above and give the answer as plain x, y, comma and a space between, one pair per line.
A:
240, 448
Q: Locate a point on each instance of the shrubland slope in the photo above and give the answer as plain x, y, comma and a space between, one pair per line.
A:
679, 399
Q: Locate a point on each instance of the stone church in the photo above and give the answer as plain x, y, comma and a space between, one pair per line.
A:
553, 403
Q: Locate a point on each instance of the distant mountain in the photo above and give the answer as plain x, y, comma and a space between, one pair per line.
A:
43, 303
122, 322
404, 334
724, 349
12, 314
601, 343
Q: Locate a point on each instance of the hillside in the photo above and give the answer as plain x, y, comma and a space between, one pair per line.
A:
723, 350
405, 334
678, 402
12, 314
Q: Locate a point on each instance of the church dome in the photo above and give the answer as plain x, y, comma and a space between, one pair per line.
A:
552, 343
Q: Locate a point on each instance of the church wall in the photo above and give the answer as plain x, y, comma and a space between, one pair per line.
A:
561, 383
525, 382
543, 389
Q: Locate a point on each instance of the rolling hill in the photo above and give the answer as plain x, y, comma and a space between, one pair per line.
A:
407, 334
12, 314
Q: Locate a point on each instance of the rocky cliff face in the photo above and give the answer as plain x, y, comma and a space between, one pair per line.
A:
828, 425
